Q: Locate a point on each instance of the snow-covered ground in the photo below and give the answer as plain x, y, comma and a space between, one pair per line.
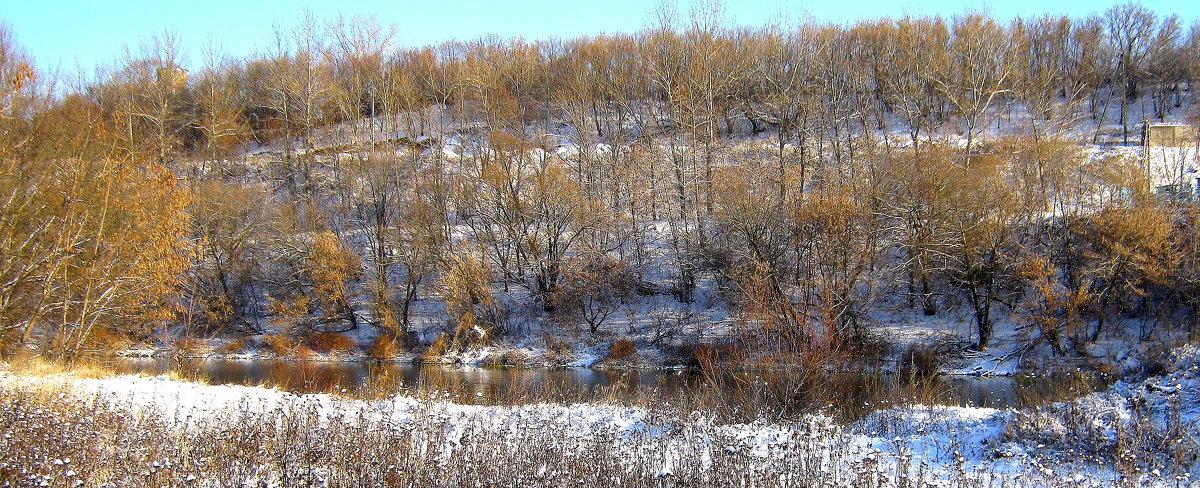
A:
1136, 433
657, 322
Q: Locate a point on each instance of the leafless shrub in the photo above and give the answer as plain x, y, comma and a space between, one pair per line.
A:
919, 360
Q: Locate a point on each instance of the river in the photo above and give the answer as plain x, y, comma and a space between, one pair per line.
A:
748, 393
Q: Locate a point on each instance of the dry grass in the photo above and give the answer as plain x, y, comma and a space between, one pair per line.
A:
304, 353
280, 344
189, 346
103, 340
330, 342
52, 438
235, 346
385, 348
558, 347
435, 350
622, 349
919, 360
290, 447
37, 366
708, 357
513, 357
558, 351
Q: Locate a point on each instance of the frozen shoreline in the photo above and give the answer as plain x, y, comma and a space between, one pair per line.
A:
1064, 443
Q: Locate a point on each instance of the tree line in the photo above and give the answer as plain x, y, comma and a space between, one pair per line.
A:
806, 172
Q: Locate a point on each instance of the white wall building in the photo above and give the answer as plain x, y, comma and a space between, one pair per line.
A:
1170, 153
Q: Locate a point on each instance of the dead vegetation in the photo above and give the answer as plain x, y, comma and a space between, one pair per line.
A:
52, 437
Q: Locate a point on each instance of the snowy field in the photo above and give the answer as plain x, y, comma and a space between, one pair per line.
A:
154, 431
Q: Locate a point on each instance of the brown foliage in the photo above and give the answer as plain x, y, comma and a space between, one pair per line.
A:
592, 289
920, 360
385, 348
769, 310
235, 346
329, 342
330, 266
95, 238
621, 349
288, 310
231, 225
280, 344
440, 346
103, 248
1054, 310
466, 288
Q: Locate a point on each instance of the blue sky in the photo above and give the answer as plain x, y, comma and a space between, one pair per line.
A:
70, 33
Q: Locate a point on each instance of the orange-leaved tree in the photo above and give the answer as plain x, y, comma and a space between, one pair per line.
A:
330, 267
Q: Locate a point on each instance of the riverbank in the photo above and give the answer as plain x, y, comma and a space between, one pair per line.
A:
735, 395
59, 428
905, 343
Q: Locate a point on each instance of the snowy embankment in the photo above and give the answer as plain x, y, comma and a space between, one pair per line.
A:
1143, 433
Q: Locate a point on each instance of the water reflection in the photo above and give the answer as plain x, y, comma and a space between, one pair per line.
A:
740, 393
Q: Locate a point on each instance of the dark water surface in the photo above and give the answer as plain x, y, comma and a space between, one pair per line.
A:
752, 393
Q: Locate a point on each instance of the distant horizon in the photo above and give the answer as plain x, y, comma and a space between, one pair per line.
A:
78, 37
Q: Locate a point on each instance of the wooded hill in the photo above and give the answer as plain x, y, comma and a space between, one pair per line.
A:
801, 173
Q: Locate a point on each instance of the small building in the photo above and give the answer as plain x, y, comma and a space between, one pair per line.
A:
1170, 154
1169, 135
